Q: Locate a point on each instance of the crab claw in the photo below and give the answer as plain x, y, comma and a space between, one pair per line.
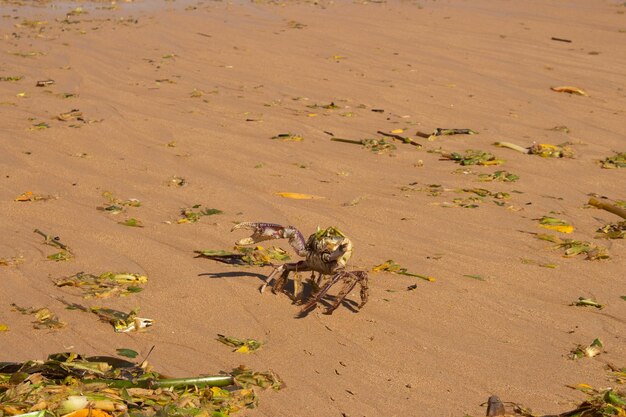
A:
269, 231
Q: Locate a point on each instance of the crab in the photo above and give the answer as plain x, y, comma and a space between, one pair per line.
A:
326, 253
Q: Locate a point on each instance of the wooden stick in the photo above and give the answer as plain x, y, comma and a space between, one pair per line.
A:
618, 211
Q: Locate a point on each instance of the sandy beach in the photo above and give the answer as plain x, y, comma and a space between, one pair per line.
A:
175, 104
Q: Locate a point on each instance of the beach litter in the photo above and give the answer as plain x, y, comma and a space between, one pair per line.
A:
394, 268
612, 231
595, 348
107, 284
378, 146
503, 176
470, 157
122, 322
545, 150
616, 161
257, 256
54, 241
553, 223
72, 385
570, 90
189, 215
576, 247
600, 403
587, 302
44, 318
240, 345
445, 132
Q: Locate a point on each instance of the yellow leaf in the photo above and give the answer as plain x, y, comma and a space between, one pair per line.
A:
570, 90
4, 328
397, 131
312, 114
27, 196
559, 228
21, 94
243, 349
298, 196
88, 412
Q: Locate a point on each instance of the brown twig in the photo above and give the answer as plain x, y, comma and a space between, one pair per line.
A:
400, 138
52, 240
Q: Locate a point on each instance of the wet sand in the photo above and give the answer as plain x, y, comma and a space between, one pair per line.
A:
196, 90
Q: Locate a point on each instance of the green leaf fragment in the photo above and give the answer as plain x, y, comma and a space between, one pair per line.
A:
616, 161
240, 345
594, 349
44, 318
613, 231
504, 176
477, 277
104, 285
258, 255
394, 268
128, 353
132, 222
60, 256
188, 215
587, 302
576, 247
288, 137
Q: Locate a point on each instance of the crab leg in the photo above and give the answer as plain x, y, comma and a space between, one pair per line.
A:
351, 279
284, 271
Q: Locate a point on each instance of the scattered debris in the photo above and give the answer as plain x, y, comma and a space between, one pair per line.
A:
72, 114
403, 139
4, 327
616, 161
55, 241
258, 255
45, 83
72, 385
611, 208
288, 137
544, 150
188, 215
127, 353
10, 78
378, 146
13, 261
445, 132
576, 247
561, 39
176, 181
504, 176
471, 157
613, 231
538, 263
240, 345
394, 268
30, 196
595, 348
107, 284
298, 196
44, 318
40, 126
587, 302
570, 90
132, 222
476, 277
553, 223
121, 322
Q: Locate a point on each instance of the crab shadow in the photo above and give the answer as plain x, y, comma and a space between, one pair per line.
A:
233, 274
307, 293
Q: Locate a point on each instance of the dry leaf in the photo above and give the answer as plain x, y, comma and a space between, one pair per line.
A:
570, 90
298, 196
